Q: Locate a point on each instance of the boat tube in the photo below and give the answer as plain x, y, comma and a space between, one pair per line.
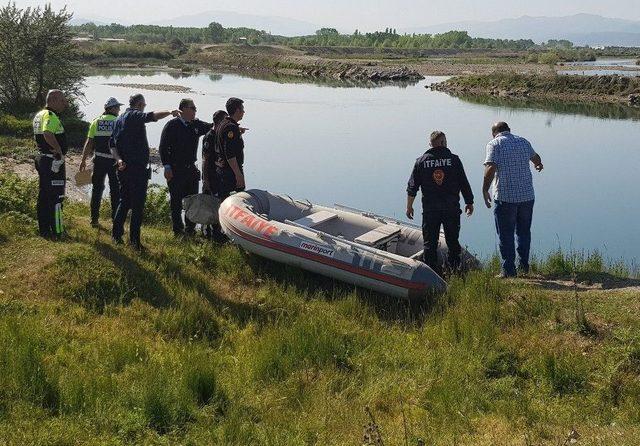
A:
346, 244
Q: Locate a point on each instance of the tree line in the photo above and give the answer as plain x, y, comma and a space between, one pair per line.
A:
216, 33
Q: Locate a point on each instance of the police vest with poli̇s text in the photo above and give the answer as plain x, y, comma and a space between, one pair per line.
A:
441, 177
100, 131
47, 120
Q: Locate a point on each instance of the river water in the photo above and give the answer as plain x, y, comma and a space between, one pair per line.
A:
355, 145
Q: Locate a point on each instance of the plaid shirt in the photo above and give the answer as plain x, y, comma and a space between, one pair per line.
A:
511, 155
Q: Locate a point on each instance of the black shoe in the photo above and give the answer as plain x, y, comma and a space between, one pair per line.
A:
117, 240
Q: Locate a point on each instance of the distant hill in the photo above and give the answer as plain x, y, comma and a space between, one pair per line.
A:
275, 25
581, 29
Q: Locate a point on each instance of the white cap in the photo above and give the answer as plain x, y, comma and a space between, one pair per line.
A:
112, 102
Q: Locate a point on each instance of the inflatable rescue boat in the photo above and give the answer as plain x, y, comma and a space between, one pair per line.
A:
346, 244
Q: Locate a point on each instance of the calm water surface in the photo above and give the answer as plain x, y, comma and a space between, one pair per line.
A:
356, 146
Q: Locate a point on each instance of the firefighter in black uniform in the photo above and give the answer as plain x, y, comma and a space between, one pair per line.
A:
441, 177
52, 146
179, 152
229, 150
104, 165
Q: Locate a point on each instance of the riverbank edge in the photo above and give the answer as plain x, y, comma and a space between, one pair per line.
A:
611, 89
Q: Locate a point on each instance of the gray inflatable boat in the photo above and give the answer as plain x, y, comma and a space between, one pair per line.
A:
346, 244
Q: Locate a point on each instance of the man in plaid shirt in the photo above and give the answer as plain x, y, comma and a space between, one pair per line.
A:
507, 162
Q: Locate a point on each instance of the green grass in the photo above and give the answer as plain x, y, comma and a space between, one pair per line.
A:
194, 343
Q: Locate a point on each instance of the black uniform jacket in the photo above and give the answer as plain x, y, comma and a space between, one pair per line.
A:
229, 144
441, 177
179, 141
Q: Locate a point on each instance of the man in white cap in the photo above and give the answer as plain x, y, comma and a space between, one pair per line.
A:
103, 162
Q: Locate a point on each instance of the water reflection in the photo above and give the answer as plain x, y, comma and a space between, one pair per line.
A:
327, 81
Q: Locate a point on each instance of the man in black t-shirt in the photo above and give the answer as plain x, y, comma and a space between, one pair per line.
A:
441, 177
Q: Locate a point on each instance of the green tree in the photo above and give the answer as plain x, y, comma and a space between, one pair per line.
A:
327, 32
37, 54
215, 32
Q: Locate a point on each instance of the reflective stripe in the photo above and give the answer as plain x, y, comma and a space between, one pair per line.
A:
57, 182
58, 218
48, 155
104, 155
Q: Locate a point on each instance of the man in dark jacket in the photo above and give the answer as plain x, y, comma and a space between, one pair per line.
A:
229, 157
441, 177
209, 182
130, 148
179, 153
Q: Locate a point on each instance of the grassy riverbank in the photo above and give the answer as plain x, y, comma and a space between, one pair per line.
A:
604, 89
195, 343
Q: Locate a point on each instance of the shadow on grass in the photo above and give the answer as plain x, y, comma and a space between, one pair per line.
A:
240, 312
406, 312
145, 284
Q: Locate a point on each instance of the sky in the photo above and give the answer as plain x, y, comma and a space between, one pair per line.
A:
348, 14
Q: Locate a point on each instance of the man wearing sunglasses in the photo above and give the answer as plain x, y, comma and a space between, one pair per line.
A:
179, 153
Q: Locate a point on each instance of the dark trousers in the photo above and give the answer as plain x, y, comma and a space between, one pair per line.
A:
514, 218
431, 223
133, 194
51, 189
102, 168
185, 181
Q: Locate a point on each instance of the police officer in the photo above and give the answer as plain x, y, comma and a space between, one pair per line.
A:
52, 146
179, 152
229, 156
441, 177
103, 162
130, 149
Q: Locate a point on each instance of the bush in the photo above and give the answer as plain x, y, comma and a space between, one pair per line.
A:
550, 58
157, 210
13, 126
18, 196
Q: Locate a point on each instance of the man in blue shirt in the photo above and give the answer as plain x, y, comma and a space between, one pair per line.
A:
130, 149
507, 162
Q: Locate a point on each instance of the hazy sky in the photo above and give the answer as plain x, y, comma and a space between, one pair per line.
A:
349, 14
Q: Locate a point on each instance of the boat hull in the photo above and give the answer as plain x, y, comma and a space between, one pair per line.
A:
246, 218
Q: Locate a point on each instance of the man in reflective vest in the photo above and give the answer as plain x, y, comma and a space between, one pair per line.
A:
52, 147
103, 162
